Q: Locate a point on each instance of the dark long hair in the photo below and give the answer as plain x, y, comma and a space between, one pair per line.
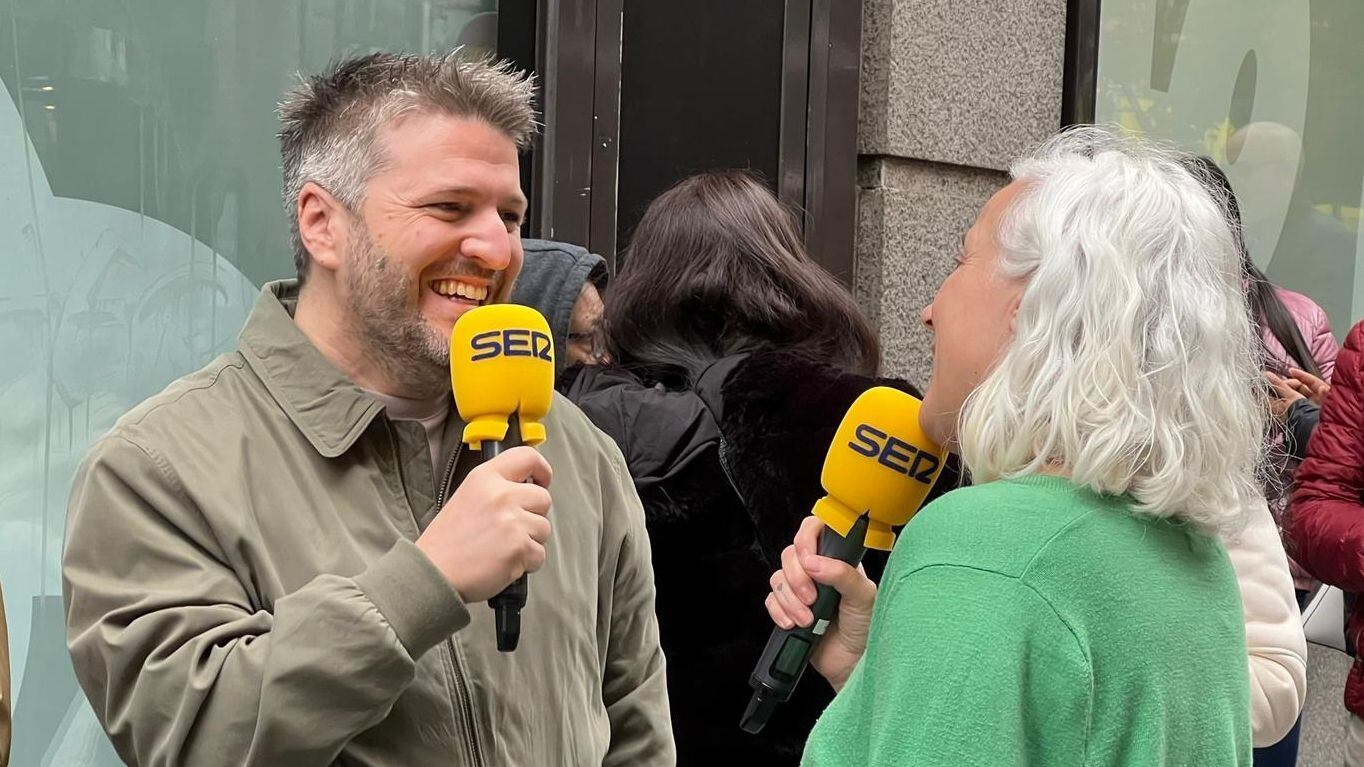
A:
1266, 307
716, 267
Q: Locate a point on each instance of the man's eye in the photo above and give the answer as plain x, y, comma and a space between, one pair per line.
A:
448, 207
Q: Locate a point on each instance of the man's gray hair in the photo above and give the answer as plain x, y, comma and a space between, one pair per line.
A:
330, 121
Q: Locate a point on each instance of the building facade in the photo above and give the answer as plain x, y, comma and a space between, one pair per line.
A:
139, 179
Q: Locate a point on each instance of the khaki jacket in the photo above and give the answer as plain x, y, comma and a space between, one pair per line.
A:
242, 586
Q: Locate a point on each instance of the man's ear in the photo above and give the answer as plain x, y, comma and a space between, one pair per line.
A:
323, 225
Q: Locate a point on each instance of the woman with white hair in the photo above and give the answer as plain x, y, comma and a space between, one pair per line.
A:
1095, 369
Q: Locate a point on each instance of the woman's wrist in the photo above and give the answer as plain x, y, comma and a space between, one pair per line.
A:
838, 682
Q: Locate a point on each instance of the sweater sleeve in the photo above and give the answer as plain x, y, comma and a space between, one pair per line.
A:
1326, 520
1274, 638
993, 676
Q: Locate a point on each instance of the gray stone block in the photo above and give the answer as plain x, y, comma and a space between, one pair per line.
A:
1322, 743
911, 216
966, 82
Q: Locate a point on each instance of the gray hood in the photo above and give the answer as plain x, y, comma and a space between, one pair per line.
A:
551, 278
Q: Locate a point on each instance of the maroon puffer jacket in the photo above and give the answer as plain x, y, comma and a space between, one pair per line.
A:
1326, 518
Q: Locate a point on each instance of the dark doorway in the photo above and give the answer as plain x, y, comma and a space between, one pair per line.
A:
639, 94
700, 90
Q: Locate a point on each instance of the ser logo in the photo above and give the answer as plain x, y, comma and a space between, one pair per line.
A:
512, 342
894, 453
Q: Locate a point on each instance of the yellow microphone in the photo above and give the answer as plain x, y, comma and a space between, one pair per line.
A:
502, 364
879, 469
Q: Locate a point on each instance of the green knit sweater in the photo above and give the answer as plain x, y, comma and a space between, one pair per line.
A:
1032, 622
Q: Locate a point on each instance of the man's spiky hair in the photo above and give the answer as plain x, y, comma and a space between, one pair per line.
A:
330, 121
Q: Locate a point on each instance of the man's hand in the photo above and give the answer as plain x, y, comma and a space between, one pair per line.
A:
494, 527
793, 591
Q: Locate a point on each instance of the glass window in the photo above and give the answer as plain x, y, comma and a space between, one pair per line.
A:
139, 213
1271, 91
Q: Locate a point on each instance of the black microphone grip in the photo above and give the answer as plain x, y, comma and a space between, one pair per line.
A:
787, 653
507, 603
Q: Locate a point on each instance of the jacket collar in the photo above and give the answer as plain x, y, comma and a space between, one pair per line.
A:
330, 410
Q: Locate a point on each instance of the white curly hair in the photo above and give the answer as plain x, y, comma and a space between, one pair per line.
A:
1133, 367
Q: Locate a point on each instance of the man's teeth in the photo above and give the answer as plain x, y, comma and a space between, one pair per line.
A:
460, 289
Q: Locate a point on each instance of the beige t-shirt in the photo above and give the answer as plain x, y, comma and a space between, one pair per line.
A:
431, 414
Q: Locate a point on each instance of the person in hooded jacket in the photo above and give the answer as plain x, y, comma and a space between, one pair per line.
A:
565, 282
734, 357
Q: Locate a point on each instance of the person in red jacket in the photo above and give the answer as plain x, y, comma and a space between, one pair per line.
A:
1326, 518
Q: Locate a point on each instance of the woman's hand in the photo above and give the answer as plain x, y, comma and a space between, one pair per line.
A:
1308, 385
1299, 384
1284, 394
793, 591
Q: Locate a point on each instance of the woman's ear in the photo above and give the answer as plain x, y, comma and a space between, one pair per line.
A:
323, 225
1015, 301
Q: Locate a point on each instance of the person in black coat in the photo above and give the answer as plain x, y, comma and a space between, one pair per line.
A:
733, 358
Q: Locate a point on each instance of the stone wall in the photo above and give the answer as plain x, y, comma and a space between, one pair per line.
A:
952, 90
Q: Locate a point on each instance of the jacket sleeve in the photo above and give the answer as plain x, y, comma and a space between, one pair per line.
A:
1299, 423
1321, 343
1326, 520
1274, 638
634, 682
182, 669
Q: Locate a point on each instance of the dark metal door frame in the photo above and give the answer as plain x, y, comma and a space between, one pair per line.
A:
1080, 78
795, 104
831, 139
577, 158
575, 166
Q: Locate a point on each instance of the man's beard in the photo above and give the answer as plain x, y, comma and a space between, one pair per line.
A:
413, 355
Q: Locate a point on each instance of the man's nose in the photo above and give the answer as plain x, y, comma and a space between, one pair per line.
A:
926, 316
488, 242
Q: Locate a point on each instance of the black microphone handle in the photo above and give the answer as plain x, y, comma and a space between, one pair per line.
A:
507, 603
787, 653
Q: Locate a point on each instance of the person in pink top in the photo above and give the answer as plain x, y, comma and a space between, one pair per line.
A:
1309, 334
1317, 344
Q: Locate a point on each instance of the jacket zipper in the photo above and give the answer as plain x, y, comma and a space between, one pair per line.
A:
449, 476
456, 668
724, 467
465, 702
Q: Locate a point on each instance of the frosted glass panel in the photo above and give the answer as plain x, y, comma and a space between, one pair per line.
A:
139, 213
1271, 91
